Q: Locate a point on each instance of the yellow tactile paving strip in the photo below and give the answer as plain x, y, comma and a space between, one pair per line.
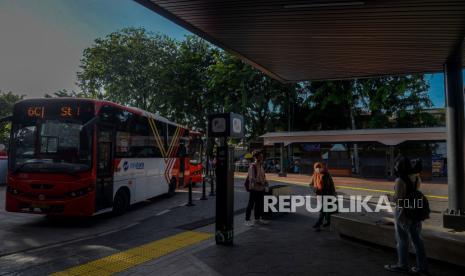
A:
345, 187
126, 259
383, 191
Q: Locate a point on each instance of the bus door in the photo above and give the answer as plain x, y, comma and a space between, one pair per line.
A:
105, 153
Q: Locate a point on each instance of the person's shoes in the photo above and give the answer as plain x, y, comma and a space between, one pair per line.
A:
262, 221
316, 225
417, 271
326, 224
249, 223
396, 268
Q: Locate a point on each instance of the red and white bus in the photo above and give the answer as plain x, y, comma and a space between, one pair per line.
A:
80, 157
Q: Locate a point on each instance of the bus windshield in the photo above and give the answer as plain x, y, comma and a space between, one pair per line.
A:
51, 144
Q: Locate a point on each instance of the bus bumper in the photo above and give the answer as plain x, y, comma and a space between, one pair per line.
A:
80, 206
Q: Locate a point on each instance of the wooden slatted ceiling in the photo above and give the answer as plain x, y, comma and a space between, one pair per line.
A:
326, 39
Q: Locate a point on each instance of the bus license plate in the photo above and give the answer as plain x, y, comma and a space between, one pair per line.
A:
41, 206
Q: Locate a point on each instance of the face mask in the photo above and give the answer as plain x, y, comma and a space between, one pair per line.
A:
317, 170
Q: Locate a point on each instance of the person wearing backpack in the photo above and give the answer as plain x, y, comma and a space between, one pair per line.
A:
256, 184
408, 218
323, 185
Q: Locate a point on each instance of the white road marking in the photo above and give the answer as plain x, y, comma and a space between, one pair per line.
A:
163, 212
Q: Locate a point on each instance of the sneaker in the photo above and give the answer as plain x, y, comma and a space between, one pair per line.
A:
396, 268
262, 221
418, 271
249, 223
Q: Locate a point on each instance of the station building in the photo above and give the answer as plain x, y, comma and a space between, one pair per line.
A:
376, 150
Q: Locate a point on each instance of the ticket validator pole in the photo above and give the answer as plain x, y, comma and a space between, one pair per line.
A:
224, 126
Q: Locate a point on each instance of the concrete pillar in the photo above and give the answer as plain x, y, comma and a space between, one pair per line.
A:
391, 161
454, 217
281, 161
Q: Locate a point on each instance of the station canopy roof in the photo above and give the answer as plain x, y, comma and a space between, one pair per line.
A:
293, 40
388, 136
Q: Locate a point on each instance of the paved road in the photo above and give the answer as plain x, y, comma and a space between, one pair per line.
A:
36, 245
436, 190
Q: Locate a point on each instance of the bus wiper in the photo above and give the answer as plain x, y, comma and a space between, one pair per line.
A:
20, 167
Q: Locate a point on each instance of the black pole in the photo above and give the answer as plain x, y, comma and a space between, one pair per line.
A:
454, 217
212, 183
282, 171
181, 171
204, 189
224, 220
204, 173
189, 203
212, 177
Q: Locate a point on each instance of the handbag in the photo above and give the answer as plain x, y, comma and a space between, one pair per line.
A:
247, 181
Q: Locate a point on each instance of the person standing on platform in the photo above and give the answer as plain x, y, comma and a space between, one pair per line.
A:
256, 184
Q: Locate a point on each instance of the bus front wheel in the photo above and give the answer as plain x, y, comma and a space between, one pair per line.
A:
121, 202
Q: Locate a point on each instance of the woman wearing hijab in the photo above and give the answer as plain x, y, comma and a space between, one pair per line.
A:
256, 186
407, 228
323, 185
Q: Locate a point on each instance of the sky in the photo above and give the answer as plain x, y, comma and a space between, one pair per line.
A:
41, 41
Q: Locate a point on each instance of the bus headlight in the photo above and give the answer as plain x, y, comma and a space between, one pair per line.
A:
80, 192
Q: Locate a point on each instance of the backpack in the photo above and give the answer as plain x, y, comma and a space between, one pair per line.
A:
247, 181
420, 210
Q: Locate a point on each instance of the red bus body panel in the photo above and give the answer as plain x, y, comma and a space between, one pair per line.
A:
50, 193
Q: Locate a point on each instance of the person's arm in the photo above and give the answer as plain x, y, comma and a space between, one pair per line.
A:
264, 177
418, 182
399, 190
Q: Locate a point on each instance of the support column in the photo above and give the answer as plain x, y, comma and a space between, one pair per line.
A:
454, 217
391, 162
281, 161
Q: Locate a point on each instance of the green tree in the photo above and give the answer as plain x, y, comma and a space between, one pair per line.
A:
129, 67
237, 87
188, 97
333, 104
395, 101
7, 101
186, 80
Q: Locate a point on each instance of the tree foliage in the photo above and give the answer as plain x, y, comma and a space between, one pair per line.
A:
395, 101
186, 80
130, 67
7, 100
